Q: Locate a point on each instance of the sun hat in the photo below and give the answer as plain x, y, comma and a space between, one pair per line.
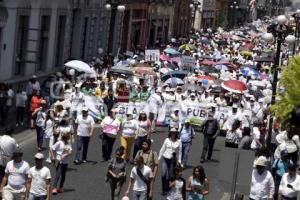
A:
261, 161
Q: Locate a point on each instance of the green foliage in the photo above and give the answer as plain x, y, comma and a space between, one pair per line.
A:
290, 99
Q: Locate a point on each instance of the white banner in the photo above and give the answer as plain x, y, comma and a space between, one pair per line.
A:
152, 55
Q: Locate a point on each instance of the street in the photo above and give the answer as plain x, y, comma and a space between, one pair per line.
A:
87, 181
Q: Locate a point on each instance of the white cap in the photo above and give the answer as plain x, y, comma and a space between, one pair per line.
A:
193, 94
39, 156
85, 109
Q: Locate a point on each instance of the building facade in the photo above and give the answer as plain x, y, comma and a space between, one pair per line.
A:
39, 36
160, 22
208, 14
182, 18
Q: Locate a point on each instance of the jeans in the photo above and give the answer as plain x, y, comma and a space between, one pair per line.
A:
115, 187
39, 136
107, 146
34, 197
61, 171
186, 146
208, 145
20, 114
82, 142
139, 195
138, 145
166, 173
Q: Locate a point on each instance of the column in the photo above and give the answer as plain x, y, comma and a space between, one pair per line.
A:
33, 37
52, 40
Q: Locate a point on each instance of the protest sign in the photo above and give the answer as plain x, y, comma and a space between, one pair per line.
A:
195, 112
132, 107
187, 63
152, 55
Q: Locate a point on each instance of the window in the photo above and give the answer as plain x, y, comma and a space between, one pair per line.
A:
43, 43
60, 41
21, 42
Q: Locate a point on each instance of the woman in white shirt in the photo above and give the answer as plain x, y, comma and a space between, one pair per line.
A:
170, 155
128, 130
48, 136
60, 152
143, 132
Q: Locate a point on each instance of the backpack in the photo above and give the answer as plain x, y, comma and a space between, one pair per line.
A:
210, 127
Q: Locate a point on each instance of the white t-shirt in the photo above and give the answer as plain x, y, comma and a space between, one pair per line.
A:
49, 128
139, 184
256, 136
62, 149
39, 180
84, 125
129, 128
295, 182
7, 145
17, 173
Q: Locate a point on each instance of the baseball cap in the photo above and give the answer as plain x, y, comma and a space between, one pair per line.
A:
39, 156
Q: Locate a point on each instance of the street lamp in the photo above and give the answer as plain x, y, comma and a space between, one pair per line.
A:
194, 6
113, 6
279, 33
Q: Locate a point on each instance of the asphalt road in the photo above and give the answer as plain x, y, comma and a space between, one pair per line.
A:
86, 181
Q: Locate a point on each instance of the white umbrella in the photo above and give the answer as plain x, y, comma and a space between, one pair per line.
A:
80, 66
165, 70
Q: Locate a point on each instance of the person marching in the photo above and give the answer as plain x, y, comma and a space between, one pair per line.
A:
187, 134
39, 179
211, 130
85, 130
116, 174
128, 133
169, 154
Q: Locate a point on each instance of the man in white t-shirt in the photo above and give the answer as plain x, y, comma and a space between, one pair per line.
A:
39, 180
7, 147
141, 178
85, 129
13, 186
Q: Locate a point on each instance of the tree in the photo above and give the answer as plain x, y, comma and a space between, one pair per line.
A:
287, 107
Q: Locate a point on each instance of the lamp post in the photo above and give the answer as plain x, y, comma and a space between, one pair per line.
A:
195, 6
296, 19
234, 7
277, 32
113, 6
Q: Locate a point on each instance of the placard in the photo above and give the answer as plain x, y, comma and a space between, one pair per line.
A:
152, 55
187, 63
